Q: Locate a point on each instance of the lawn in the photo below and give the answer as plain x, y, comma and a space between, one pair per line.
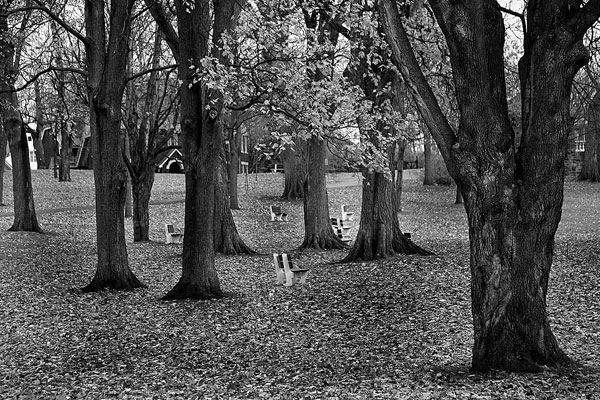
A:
394, 329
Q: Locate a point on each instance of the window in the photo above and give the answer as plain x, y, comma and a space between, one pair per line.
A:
580, 146
243, 167
245, 144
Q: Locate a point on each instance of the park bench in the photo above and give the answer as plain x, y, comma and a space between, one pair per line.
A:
285, 271
341, 229
171, 236
347, 215
277, 214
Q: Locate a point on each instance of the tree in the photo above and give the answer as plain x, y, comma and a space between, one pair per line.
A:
13, 126
106, 61
379, 234
512, 195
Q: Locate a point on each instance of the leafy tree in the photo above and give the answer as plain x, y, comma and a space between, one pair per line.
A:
512, 193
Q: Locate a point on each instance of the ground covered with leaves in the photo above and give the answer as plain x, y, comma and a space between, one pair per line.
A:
395, 329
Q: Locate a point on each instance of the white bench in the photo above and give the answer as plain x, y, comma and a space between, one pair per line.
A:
171, 236
347, 215
285, 271
277, 214
342, 229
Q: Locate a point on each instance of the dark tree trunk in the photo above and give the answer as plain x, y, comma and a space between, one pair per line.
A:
294, 168
399, 167
318, 233
201, 115
64, 169
379, 235
428, 167
25, 216
590, 170
106, 72
39, 130
235, 140
3, 144
141, 188
513, 198
226, 237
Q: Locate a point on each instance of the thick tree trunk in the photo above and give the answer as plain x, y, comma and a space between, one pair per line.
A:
201, 115
25, 216
226, 237
379, 234
106, 71
318, 233
513, 198
294, 167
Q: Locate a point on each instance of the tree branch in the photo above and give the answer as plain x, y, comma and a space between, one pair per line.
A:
161, 19
45, 71
521, 16
585, 17
148, 71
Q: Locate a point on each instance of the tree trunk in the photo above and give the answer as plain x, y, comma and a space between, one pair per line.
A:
428, 167
379, 235
294, 168
318, 233
399, 171
590, 170
513, 198
235, 140
226, 237
201, 113
141, 188
25, 216
106, 72
64, 169
39, 130
3, 144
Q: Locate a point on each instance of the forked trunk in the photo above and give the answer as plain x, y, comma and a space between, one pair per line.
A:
318, 233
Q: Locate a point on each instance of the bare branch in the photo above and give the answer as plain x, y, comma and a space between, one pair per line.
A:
150, 70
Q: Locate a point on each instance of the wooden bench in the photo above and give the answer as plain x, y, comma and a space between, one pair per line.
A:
171, 236
347, 215
285, 271
277, 214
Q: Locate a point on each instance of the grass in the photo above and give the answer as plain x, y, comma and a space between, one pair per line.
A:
395, 329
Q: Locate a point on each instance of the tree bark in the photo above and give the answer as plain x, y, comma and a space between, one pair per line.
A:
590, 170
25, 217
3, 144
513, 197
39, 129
106, 82
294, 169
318, 232
201, 113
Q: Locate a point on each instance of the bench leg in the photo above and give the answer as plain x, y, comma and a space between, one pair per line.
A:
302, 277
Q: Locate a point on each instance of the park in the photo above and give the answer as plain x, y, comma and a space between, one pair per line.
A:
396, 328
299, 198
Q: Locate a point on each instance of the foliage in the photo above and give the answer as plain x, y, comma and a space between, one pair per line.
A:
394, 329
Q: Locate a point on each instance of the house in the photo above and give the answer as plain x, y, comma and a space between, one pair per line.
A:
171, 161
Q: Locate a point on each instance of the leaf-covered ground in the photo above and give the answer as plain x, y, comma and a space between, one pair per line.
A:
396, 329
